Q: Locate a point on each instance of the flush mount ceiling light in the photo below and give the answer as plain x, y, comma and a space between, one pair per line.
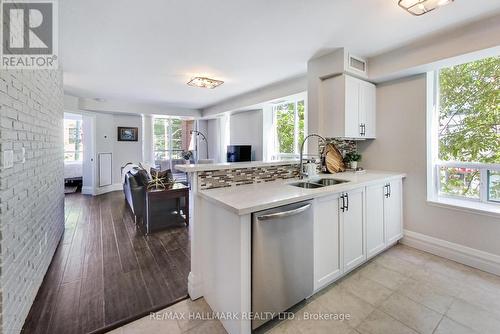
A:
205, 82
420, 7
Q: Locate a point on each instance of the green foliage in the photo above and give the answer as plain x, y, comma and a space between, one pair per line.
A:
469, 116
469, 121
352, 156
285, 126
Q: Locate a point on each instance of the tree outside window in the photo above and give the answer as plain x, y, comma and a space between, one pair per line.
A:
171, 136
290, 127
73, 136
469, 130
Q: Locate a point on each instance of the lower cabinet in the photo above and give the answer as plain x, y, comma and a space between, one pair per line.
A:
327, 262
383, 216
393, 211
351, 227
375, 230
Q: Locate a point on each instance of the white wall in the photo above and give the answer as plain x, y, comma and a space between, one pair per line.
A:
213, 141
202, 146
107, 142
256, 97
246, 129
401, 146
455, 45
32, 191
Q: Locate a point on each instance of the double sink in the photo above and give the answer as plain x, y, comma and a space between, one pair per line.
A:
317, 183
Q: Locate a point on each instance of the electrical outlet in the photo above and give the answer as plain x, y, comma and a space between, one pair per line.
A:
8, 159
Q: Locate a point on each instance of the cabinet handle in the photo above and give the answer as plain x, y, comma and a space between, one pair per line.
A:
347, 207
389, 189
386, 191
343, 203
364, 129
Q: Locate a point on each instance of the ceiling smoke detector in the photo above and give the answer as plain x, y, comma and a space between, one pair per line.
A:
420, 7
205, 82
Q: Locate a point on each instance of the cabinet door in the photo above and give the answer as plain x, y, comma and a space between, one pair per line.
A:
375, 233
353, 230
367, 109
393, 212
352, 129
326, 241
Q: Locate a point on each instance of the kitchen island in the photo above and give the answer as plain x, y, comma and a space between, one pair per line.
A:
223, 201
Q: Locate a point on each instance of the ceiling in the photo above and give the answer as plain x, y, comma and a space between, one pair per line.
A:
146, 51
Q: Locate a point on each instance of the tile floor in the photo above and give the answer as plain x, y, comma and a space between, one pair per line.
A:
400, 291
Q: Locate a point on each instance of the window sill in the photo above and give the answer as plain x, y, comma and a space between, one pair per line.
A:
480, 208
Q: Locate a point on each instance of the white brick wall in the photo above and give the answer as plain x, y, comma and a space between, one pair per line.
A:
31, 194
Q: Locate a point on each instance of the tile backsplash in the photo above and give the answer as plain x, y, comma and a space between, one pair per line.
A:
344, 145
241, 176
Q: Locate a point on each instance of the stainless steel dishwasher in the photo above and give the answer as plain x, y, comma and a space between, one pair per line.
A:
282, 258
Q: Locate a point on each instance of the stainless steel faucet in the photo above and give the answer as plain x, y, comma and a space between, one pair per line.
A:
301, 171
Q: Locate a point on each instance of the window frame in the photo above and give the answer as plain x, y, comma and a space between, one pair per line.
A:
74, 152
295, 101
168, 152
481, 205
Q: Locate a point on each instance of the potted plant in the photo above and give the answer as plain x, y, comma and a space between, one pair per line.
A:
186, 155
352, 158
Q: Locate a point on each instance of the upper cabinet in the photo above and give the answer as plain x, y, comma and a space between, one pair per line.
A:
349, 107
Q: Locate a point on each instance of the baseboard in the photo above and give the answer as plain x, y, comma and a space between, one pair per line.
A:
87, 191
194, 287
469, 256
108, 189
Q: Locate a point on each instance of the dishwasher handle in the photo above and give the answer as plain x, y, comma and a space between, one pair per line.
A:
285, 213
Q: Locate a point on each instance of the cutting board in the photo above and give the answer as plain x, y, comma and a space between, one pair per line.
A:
334, 160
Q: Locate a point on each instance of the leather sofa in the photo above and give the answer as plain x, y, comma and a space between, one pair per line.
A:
134, 188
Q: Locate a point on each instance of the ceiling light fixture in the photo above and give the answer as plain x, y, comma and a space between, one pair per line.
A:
205, 82
420, 7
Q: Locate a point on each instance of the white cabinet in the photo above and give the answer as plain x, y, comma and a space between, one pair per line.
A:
375, 231
383, 216
352, 227
349, 107
393, 211
327, 266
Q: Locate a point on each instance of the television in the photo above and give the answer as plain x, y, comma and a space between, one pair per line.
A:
239, 153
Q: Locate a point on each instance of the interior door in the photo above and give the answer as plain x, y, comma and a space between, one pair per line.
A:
326, 241
393, 212
375, 232
353, 230
351, 107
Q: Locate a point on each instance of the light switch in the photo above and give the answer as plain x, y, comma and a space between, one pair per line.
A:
8, 159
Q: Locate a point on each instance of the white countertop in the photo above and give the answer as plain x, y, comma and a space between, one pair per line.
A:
232, 165
261, 196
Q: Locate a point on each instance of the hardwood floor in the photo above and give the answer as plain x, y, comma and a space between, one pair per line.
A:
105, 271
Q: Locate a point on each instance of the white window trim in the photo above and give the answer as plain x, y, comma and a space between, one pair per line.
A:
295, 155
480, 206
169, 152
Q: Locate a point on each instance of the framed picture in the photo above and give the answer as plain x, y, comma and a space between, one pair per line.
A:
128, 134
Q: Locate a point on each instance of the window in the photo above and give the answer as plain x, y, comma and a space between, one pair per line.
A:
171, 136
466, 138
289, 120
73, 135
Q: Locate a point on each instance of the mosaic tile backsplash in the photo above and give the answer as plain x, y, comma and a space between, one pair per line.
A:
344, 145
241, 176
